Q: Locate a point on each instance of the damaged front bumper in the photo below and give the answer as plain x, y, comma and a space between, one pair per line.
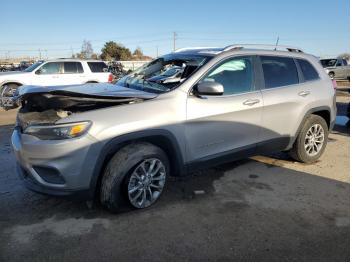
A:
61, 167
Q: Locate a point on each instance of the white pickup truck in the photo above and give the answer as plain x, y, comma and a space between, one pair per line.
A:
53, 73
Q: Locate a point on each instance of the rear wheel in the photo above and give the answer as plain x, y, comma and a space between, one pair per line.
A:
6, 94
134, 177
311, 141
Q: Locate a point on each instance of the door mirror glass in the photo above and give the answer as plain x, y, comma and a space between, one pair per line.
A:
210, 88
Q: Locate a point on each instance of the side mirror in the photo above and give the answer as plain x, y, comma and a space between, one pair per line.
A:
209, 89
38, 72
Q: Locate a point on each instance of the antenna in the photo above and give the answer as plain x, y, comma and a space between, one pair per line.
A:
278, 39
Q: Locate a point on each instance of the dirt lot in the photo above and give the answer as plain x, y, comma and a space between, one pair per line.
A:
267, 208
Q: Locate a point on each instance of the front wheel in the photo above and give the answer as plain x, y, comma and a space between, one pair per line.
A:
311, 141
135, 176
6, 96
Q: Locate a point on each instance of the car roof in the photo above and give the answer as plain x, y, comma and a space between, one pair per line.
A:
72, 60
272, 50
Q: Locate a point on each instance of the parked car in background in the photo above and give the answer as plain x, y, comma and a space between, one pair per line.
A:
57, 72
123, 141
336, 68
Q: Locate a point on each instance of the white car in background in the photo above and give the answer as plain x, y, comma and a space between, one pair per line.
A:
57, 72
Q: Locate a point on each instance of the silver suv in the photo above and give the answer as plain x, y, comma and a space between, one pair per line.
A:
121, 142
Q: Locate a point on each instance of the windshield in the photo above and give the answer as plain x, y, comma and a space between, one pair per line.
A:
33, 67
159, 76
328, 62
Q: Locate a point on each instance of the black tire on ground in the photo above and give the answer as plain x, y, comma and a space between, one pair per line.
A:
331, 75
298, 152
116, 177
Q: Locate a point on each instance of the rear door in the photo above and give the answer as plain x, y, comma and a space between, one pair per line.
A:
285, 97
73, 73
221, 125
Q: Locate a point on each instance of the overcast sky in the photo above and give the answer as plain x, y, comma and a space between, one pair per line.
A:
59, 27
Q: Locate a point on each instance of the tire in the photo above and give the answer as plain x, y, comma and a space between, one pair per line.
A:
124, 173
301, 148
7, 91
331, 75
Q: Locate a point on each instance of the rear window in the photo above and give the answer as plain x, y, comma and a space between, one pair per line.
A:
309, 72
279, 71
97, 67
72, 68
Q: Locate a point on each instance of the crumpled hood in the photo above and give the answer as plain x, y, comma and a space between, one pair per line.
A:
87, 90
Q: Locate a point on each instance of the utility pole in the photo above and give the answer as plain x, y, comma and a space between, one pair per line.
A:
157, 52
174, 40
39, 54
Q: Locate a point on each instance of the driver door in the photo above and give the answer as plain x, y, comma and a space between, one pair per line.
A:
224, 125
50, 74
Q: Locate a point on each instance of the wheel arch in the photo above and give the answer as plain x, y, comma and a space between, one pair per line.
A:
161, 138
323, 111
11, 82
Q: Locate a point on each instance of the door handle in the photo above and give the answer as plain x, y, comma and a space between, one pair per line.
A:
304, 93
54, 76
251, 102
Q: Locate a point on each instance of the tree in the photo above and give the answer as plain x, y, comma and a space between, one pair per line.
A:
86, 50
138, 54
112, 50
344, 56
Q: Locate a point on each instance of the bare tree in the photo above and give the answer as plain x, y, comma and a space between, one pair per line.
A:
86, 50
345, 56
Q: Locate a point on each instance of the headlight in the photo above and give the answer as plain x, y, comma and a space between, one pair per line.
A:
57, 132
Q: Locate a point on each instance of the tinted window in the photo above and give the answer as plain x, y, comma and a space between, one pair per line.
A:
51, 68
98, 67
279, 71
345, 63
80, 68
328, 62
72, 67
309, 72
236, 75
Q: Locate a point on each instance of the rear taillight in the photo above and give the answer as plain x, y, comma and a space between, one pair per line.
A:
334, 84
110, 78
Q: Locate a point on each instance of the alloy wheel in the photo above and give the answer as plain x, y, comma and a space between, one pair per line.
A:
146, 183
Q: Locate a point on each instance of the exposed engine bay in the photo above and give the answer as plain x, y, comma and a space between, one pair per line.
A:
42, 105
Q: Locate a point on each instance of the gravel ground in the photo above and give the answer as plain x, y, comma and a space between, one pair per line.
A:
267, 208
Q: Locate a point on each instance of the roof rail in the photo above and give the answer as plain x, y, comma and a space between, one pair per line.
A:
263, 46
192, 48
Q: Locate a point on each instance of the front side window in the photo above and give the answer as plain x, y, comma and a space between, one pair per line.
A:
328, 62
279, 71
72, 68
235, 75
51, 68
309, 72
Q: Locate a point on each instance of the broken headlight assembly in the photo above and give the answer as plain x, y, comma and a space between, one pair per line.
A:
58, 132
